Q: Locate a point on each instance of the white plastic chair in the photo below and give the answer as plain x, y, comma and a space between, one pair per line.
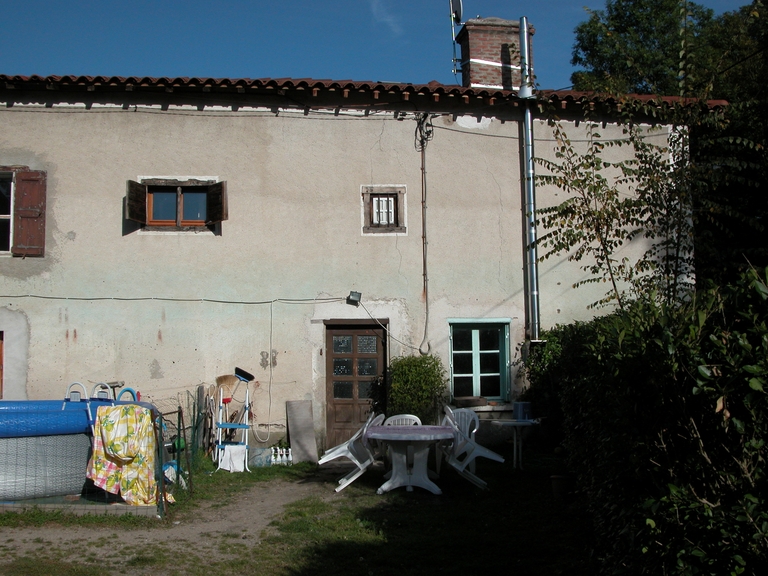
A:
465, 450
403, 420
357, 449
400, 420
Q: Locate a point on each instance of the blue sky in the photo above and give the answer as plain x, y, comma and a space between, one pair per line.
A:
380, 40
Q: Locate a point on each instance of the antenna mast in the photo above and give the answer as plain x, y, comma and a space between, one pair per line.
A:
456, 10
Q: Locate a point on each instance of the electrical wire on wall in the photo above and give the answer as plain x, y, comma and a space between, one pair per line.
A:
424, 133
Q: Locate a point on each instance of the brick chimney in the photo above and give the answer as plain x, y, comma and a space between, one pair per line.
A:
490, 53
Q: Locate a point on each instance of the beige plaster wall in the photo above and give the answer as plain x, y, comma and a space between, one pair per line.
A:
108, 303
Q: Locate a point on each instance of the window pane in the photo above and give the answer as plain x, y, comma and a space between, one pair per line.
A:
194, 204
164, 206
342, 389
342, 344
489, 339
364, 389
342, 366
5, 196
366, 344
489, 362
462, 386
490, 386
462, 364
462, 339
5, 235
367, 367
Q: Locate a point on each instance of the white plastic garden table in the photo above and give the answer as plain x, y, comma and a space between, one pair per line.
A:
517, 437
399, 438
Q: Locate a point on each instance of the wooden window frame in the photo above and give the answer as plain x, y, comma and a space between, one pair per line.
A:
397, 193
28, 205
139, 199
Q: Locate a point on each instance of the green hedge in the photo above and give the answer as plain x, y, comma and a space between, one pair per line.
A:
664, 417
414, 385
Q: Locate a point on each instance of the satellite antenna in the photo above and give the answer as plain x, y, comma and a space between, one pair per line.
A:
456, 11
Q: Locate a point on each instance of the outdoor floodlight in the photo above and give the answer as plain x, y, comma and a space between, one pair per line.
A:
353, 299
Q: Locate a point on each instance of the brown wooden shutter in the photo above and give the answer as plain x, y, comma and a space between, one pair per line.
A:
217, 208
29, 214
136, 201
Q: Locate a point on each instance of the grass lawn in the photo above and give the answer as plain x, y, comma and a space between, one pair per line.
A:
514, 527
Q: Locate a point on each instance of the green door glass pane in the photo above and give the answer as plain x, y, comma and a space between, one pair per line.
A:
367, 367
342, 390
489, 362
490, 385
342, 366
367, 344
462, 386
342, 344
489, 339
462, 363
462, 339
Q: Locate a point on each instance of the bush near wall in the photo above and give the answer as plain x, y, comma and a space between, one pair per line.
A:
414, 385
665, 420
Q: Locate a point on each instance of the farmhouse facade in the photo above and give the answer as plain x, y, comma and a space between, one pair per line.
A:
161, 231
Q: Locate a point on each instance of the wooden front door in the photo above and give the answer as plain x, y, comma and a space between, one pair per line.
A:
355, 357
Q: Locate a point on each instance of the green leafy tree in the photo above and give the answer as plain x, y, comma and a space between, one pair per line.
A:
675, 47
636, 45
609, 205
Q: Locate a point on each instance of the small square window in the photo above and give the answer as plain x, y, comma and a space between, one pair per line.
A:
383, 209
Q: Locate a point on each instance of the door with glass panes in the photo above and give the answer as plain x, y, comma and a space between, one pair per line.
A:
354, 358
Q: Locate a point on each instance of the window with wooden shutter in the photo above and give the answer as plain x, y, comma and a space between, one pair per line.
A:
383, 209
166, 204
29, 214
6, 211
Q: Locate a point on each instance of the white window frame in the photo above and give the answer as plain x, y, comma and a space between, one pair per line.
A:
505, 364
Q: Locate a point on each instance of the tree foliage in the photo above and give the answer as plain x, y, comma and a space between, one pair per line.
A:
416, 385
678, 48
664, 415
635, 45
647, 195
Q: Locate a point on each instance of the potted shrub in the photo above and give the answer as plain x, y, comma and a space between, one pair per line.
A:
414, 385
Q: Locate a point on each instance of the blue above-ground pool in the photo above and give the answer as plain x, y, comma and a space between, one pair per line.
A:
45, 445
21, 418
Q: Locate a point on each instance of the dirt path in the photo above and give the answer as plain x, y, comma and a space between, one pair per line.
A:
201, 531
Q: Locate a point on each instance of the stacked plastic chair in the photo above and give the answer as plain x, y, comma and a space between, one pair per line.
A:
357, 449
461, 455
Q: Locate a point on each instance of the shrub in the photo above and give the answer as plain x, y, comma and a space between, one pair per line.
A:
665, 418
416, 385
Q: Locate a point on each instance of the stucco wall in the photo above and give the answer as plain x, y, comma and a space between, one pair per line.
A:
107, 305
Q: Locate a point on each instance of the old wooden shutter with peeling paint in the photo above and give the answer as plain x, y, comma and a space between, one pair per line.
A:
217, 208
136, 202
29, 214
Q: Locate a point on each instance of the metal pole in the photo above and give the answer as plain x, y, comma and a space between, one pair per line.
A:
529, 204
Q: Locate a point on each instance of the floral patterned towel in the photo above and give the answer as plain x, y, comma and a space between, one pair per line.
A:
123, 459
